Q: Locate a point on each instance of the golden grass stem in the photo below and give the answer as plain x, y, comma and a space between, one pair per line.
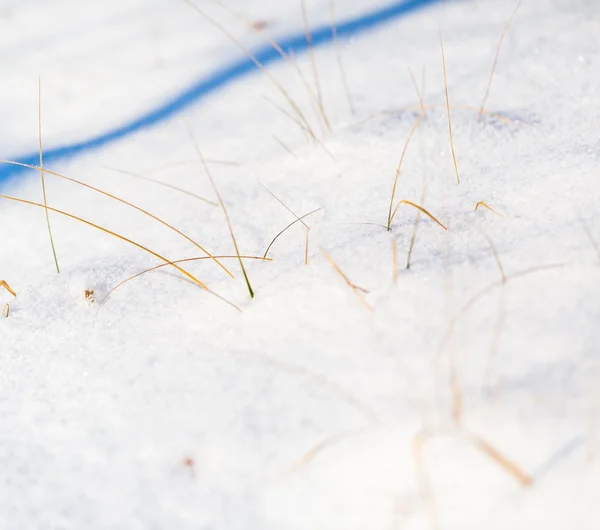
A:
289, 226
186, 260
224, 208
398, 169
127, 203
521, 476
421, 209
310, 132
110, 232
358, 291
5, 285
283, 204
42, 175
481, 203
321, 447
306, 246
126, 240
419, 92
448, 111
496, 257
160, 183
413, 237
495, 63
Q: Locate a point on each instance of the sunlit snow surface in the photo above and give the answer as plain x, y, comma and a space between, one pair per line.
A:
307, 410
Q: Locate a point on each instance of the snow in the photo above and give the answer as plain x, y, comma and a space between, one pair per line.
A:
161, 406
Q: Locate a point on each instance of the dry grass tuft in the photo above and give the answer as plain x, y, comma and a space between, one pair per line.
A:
220, 199
122, 238
161, 183
127, 203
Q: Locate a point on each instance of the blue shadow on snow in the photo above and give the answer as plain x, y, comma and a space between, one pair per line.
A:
218, 79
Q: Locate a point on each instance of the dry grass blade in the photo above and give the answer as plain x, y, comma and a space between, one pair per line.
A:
127, 203
322, 446
448, 110
285, 147
126, 240
162, 265
338, 55
313, 63
456, 411
309, 131
395, 185
283, 204
358, 291
287, 57
110, 232
419, 92
7, 287
289, 226
160, 183
481, 203
6, 311
258, 64
487, 90
523, 478
413, 237
223, 207
302, 126
420, 208
306, 247
42, 175
496, 257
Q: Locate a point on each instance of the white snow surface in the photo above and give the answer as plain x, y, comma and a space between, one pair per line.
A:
444, 398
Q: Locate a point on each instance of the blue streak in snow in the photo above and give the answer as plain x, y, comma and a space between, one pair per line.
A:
219, 78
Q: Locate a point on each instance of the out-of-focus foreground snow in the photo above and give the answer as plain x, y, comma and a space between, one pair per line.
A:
445, 398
